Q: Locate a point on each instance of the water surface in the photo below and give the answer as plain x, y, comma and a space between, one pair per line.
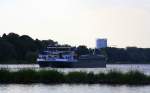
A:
65, 88
145, 68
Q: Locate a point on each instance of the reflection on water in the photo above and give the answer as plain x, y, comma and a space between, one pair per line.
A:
123, 68
40, 88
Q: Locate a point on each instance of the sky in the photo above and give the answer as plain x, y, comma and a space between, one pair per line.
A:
79, 22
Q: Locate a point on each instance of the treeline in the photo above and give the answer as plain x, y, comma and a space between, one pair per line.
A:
21, 49
16, 49
128, 55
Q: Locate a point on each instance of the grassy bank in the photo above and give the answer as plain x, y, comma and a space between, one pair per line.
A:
55, 77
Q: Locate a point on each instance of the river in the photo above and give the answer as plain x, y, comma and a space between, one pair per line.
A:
145, 68
65, 88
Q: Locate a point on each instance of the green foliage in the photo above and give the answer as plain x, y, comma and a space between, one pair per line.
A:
26, 76
7, 50
31, 57
5, 76
114, 77
22, 49
82, 50
50, 76
135, 77
127, 55
76, 77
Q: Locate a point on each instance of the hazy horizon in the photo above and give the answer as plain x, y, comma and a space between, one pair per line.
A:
79, 22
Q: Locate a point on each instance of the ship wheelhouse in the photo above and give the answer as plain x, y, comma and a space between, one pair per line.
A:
55, 54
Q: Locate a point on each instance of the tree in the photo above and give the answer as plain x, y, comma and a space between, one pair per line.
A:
30, 57
7, 51
82, 50
116, 54
135, 54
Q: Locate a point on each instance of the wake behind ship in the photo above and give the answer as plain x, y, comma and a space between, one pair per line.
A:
66, 57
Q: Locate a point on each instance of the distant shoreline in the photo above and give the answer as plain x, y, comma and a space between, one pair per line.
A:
23, 49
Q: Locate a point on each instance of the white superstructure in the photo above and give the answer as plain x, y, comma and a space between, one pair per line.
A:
55, 54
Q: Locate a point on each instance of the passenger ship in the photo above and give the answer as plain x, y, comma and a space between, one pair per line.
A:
66, 57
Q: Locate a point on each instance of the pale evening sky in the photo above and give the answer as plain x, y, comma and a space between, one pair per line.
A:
79, 22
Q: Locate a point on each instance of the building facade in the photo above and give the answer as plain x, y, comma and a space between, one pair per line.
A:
101, 43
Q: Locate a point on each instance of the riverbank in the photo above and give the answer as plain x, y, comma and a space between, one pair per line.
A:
28, 76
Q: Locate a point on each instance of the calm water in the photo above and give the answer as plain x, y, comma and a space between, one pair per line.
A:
123, 68
39, 88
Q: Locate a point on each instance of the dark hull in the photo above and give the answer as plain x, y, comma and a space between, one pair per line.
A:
79, 64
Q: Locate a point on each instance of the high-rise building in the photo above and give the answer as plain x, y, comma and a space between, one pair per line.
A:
101, 43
